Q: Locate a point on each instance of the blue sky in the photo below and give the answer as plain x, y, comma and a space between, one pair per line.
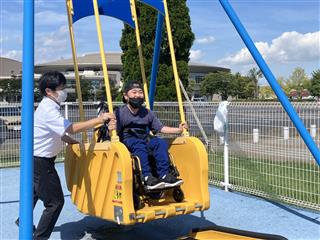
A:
285, 31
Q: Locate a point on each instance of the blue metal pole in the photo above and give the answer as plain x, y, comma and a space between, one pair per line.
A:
26, 168
272, 81
155, 62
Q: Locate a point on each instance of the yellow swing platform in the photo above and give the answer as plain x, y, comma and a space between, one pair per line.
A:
100, 179
223, 233
102, 176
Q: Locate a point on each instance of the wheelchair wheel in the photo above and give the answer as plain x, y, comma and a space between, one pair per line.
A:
137, 202
156, 194
178, 195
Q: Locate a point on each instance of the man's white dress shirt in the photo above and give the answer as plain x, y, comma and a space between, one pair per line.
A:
49, 127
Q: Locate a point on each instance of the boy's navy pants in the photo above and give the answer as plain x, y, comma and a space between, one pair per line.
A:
159, 149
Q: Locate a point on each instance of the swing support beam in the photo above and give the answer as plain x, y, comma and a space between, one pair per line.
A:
271, 80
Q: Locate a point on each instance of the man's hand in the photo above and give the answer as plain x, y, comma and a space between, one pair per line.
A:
183, 126
106, 116
112, 125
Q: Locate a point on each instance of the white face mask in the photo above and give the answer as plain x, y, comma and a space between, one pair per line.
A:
62, 95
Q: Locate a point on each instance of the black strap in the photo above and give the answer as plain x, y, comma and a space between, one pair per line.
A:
136, 132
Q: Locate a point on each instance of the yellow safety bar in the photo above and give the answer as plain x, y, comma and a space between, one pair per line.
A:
75, 65
114, 136
174, 65
143, 72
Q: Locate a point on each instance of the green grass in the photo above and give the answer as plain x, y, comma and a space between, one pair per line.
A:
299, 181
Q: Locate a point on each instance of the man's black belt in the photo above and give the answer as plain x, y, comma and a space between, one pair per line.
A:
47, 159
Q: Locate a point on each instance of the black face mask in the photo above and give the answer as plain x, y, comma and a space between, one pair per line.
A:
136, 102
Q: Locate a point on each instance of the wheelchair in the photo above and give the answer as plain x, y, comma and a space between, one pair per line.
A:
140, 193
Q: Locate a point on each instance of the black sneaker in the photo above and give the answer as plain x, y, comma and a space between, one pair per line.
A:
153, 183
17, 223
171, 181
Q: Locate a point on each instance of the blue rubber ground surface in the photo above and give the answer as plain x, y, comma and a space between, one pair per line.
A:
227, 209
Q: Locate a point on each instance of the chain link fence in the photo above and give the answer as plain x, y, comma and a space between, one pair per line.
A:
267, 157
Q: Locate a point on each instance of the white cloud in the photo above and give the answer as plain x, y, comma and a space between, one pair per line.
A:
195, 55
52, 46
205, 40
3, 39
50, 18
12, 54
289, 47
54, 39
10, 19
39, 2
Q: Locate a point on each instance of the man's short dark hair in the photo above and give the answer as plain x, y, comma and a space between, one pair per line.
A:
51, 80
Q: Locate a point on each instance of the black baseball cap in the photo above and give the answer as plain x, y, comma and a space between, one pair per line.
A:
131, 85
128, 86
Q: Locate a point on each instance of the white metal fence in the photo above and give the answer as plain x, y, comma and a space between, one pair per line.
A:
267, 157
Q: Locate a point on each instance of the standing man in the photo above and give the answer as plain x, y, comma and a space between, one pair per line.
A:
50, 131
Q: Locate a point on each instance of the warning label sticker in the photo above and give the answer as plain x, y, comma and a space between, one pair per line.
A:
117, 196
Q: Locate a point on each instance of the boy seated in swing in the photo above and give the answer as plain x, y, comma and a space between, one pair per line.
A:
134, 122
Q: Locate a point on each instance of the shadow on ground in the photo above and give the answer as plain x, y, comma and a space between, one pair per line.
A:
94, 228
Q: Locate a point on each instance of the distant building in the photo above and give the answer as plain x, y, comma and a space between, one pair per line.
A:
90, 68
198, 71
9, 69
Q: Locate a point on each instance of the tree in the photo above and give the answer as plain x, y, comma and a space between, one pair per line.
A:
242, 87
315, 84
192, 86
115, 92
266, 92
36, 91
218, 83
298, 80
283, 84
255, 74
86, 91
183, 38
11, 88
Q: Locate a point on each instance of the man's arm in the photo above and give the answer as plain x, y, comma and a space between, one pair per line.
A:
69, 140
172, 130
82, 126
